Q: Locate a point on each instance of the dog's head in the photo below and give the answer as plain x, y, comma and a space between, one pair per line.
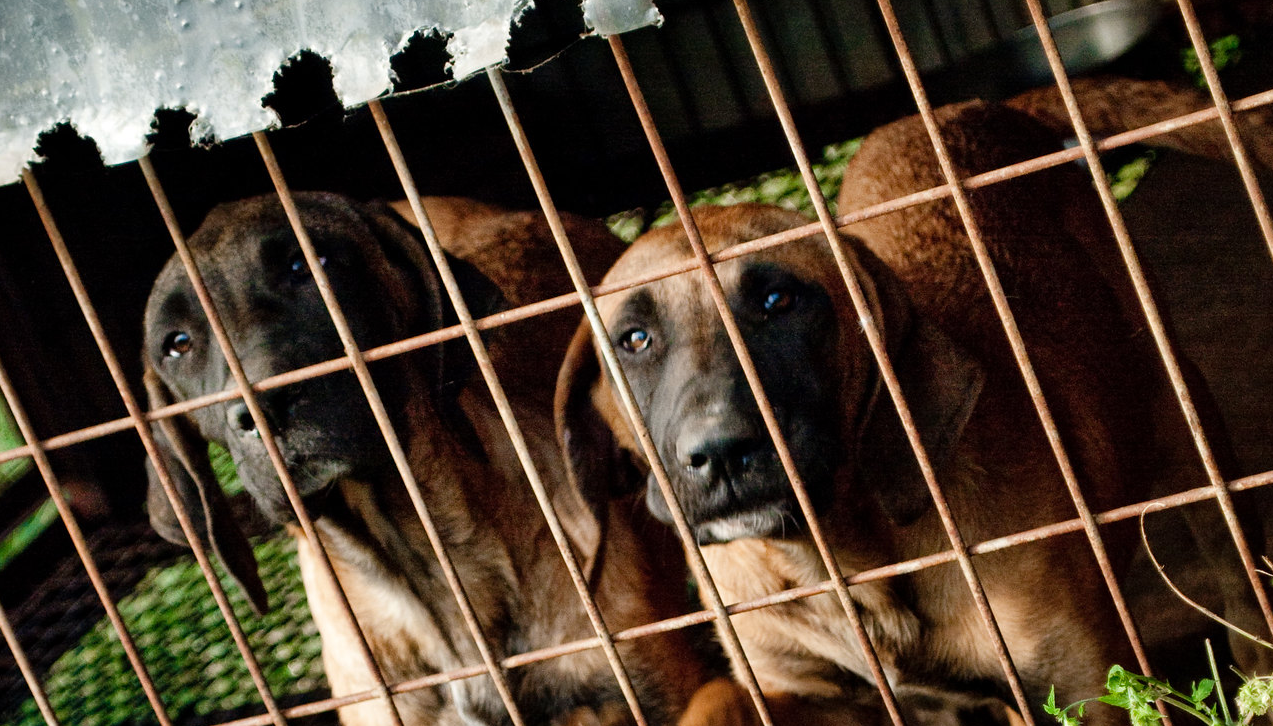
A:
795, 314
269, 303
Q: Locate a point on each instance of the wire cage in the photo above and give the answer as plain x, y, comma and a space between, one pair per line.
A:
612, 126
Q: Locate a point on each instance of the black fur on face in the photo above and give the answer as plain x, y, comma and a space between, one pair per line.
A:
702, 415
269, 303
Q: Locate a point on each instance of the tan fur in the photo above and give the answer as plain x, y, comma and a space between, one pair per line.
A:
487, 517
1001, 477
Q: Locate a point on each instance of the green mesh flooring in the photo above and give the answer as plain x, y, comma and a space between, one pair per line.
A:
188, 650
171, 614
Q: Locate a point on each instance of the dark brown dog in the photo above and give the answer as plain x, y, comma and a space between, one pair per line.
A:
1192, 226
963, 389
470, 477
1111, 105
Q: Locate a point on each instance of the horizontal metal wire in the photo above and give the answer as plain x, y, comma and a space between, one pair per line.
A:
960, 552
1138, 278
702, 617
843, 221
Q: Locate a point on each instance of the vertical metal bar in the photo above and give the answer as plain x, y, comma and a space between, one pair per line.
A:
693, 118
939, 32
753, 376
707, 586
1222, 105
987, 14
1005, 314
28, 673
81, 547
1090, 527
137, 415
51, 481
386, 427
733, 80
506, 411
836, 55
1001, 306
959, 195
276, 457
1130, 259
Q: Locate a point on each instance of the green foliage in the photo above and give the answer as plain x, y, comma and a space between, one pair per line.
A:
10, 438
1123, 180
27, 531
784, 187
1255, 696
1225, 52
223, 468
1139, 696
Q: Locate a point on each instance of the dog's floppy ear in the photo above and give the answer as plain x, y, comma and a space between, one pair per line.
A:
941, 383
185, 458
404, 244
595, 440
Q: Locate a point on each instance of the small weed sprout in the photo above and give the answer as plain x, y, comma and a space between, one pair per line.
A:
1143, 696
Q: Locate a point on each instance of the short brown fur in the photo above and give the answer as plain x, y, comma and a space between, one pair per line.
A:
992, 458
471, 479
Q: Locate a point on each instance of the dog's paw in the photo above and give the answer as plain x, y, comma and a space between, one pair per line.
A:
719, 702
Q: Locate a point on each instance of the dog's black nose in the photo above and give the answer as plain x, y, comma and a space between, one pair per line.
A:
713, 454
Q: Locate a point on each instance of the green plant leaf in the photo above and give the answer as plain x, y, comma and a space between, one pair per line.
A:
1202, 690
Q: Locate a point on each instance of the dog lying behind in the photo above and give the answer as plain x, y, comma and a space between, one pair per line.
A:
1110, 105
470, 477
963, 389
1192, 225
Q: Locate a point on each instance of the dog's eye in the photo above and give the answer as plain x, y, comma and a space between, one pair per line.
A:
778, 301
635, 340
299, 268
177, 344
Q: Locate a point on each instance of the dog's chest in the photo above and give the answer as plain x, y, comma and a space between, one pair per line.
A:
407, 633
811, 634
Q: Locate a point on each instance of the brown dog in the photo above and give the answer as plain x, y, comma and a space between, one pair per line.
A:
963, 390
1111, 105
470, 477
1192, 226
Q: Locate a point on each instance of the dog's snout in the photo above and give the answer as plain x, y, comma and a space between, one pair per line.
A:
714, 453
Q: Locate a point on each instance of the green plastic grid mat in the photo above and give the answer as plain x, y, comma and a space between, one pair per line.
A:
176, 624
188, 650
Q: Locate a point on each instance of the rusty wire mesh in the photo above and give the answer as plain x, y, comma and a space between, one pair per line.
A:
717, 611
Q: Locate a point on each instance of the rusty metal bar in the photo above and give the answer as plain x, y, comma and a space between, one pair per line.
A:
871, 330
386, 428
55, 489
506, 411
977, 181
698, 566
137, 417
1221, 102
28, 673
748, 366
1145, 297
702, 617
276, 458
960, 198
959, 195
